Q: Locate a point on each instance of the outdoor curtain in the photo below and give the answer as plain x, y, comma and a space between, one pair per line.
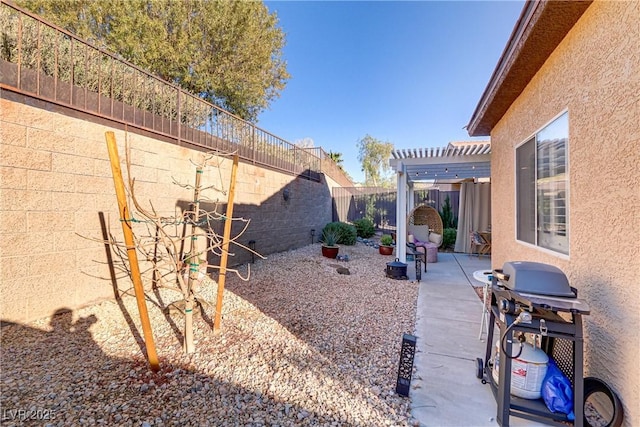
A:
474, 213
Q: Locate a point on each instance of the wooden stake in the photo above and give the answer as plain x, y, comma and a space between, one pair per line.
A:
125, 219
225, 246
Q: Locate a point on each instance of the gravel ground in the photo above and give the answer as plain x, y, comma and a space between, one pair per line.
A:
300, 344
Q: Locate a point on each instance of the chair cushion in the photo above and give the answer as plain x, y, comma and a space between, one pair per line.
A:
419, 232
477, 239
425, 244
430, 248
435, 238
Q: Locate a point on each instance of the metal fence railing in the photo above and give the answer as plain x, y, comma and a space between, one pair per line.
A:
44, 61
331, 168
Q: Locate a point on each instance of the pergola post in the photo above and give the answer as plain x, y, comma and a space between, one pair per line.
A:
401, 213
411, 202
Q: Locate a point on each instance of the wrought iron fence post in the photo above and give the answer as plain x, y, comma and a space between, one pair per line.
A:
179, 115
38, 58
73, 67
253, 146
295, 158
19, 52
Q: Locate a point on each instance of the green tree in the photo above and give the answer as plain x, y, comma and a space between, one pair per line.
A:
449, 220
337, 159
374, 155
227, 52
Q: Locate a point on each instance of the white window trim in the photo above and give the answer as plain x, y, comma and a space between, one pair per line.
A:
515, 195
544, 250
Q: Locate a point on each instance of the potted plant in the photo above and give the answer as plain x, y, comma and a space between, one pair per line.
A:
386, 245
329, 244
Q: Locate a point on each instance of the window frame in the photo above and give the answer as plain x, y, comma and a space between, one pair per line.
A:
533, 138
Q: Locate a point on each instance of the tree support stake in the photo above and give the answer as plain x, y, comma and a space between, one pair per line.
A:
225, 246
131, 250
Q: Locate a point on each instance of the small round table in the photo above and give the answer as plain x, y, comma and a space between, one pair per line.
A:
484, 276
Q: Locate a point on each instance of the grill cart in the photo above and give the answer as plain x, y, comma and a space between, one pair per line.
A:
532, 302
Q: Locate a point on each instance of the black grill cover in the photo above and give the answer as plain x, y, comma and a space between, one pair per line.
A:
535, 278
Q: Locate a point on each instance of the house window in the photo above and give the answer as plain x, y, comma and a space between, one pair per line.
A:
542, 187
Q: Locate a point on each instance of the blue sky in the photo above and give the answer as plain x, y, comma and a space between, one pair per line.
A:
410, 73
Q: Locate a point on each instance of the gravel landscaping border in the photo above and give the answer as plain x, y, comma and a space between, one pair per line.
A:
301, 344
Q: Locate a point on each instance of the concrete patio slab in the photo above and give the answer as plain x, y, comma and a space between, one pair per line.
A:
445, 390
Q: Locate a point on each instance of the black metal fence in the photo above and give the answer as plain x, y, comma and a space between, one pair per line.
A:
379, 204
376, 203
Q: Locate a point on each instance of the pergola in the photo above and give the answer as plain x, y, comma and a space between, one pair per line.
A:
455, 163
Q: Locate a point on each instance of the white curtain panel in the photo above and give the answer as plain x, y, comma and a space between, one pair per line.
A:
474, 212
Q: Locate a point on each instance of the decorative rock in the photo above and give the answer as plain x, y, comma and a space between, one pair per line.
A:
287, 335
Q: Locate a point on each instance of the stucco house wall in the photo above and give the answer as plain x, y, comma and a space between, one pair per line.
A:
55, 180
594, 74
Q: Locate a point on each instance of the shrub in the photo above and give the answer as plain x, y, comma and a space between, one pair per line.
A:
448, 219
386, 240
449, 238
346, 232
329, 238
364, 227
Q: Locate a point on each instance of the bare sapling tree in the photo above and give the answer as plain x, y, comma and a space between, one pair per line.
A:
177, 247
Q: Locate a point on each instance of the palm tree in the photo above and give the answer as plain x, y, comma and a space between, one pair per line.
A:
337, 158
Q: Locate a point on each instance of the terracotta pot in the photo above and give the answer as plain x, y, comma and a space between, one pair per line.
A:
385, 250
330, 251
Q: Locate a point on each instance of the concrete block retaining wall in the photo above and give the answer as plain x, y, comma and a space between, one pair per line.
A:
56, 185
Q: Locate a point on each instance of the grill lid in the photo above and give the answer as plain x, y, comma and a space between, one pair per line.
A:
535, 278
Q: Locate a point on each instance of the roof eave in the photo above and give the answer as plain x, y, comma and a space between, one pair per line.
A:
540, 29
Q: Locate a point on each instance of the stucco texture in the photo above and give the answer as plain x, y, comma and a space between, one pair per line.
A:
594, 74
56, 181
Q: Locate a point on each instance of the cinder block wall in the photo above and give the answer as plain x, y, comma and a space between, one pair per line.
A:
56, 184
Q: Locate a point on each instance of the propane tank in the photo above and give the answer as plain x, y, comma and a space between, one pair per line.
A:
527, 370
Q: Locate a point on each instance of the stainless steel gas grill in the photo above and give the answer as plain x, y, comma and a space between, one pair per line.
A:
524, 285
536, 299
